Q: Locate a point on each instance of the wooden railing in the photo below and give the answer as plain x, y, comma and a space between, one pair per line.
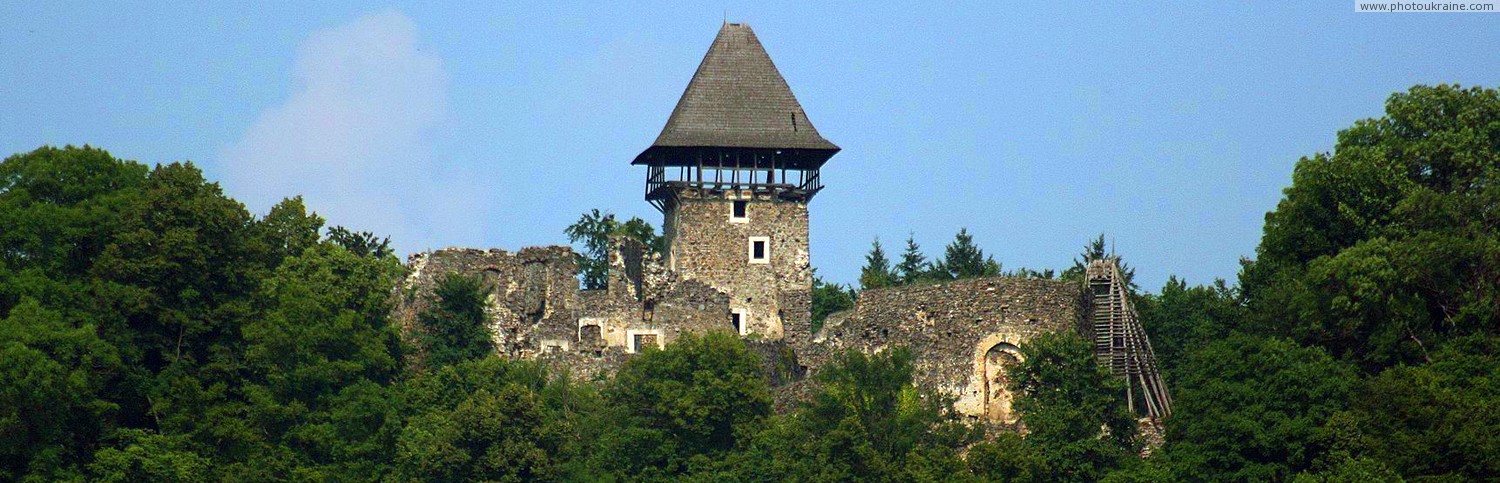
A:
661, 185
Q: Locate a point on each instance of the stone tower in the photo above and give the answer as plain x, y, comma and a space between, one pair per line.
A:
733, 172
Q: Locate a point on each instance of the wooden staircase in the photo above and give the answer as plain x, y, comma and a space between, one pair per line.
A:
1120, 342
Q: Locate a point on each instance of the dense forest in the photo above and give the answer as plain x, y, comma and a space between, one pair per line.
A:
152, 329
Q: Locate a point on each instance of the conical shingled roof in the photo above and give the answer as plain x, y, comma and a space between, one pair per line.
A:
737, 99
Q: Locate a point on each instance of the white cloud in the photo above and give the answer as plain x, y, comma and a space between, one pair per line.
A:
354, 137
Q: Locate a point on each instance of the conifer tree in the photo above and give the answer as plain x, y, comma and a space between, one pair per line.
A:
877, 271
454, 328
913, 265
1094, 250
964, 259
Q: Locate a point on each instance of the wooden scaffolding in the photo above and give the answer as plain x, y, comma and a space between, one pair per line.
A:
1120, 341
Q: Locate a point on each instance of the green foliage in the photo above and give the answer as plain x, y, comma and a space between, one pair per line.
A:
698, 398
873, 396
1181, 319
961, 259
828, 298
913, 266
877, 271
1007, 458
288, 229
866, 421
1253, 408
58, 210
362, 243
52, 396
1351, 470
594, 230
964, 259
1437, 421
317, 361
153, 330
1064, 398
1388, 247
454, 328
489, 420
1095, 250
144, 456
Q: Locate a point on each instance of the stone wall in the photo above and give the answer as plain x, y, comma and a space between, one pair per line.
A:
536, 308
962, 334
533, 293
706, 244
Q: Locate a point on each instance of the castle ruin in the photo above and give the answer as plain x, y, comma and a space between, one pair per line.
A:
733, 173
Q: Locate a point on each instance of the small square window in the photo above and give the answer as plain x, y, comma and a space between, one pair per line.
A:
739, 211
760, 249
640, 340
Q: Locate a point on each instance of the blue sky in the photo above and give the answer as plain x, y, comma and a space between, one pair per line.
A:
1171, 128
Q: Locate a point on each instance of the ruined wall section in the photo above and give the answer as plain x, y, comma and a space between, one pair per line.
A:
609, 314
670, 304
535, 305
533, 294
536, 310
706, 243
958, 331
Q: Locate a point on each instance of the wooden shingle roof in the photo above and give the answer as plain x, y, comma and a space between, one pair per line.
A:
737, 99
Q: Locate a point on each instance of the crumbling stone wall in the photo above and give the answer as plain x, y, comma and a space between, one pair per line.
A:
689, 306
533, 293
961, 333
535, 307
706, 244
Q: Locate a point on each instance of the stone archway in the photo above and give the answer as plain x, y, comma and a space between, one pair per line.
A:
998, 361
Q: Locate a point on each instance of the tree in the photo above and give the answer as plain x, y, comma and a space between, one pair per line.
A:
58, 210
61, 375
52, 392
455, 328
1023, 272
1385, 249
362, 243
1436, 421
1064, 398
877, 270
1253, 408
828, 298
318, 360
1007, 458
697, 398
181, 270
865, 421
1095, 250
594, 230
964, 259
491, 419
146, 456
1181, 318
288, 229
913, 266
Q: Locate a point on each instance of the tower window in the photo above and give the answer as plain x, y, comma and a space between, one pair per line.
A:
739, 211
760, 249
